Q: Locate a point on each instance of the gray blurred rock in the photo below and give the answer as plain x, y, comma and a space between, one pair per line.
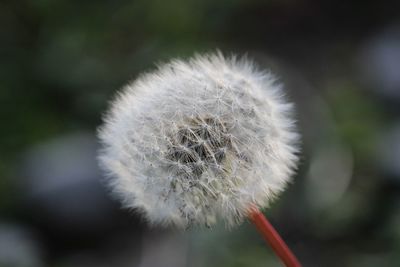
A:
62, 184
380, 63
164, 249
18, 248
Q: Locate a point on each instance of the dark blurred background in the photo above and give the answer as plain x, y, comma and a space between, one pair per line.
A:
61, 61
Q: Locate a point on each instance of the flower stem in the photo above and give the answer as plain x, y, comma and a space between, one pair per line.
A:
273, 239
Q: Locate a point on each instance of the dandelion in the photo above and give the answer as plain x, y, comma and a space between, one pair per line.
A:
199, 141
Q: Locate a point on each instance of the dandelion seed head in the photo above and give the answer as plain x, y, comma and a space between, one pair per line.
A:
199, 140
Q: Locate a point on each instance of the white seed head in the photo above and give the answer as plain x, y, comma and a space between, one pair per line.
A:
200, 140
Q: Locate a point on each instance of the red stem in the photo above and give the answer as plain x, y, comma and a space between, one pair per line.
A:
273, 238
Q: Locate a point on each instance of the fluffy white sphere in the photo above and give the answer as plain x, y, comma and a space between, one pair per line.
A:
199, 140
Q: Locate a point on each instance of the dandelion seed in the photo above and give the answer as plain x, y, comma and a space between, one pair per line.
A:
198, 141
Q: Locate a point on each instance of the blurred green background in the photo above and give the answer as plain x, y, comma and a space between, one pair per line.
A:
61, 61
